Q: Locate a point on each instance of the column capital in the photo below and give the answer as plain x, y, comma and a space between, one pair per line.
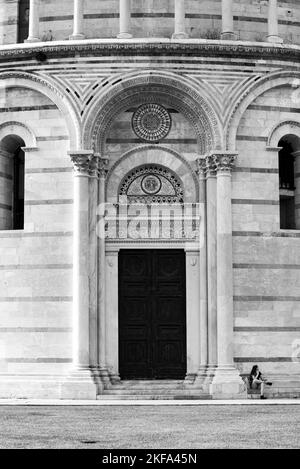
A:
211, 167
224, 161
201, 166
102, 165
84, 162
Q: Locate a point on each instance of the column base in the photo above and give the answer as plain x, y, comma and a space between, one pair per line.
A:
124, 36
76, 37
104, 377
97, 379
228, 36
275, 39
201, 379
189, 379
79, 385
180, 36
114, 379
32, 39
227, 384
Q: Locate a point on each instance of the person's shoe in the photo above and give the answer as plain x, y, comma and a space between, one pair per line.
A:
268, 383
263, 397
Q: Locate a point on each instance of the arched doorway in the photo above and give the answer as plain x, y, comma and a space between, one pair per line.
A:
152, 290
151, 293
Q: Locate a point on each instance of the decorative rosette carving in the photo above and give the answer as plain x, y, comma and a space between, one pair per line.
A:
151, 122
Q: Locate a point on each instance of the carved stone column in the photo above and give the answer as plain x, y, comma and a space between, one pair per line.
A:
179, 26
226, 383
227, 21
211, 213
273, 35
103, 372
201, 164
34, 20
78, 20
125, 19
80, 384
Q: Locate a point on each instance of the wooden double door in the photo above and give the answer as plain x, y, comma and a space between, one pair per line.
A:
152, 314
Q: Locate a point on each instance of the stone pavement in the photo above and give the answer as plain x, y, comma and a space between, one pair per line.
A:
60, 402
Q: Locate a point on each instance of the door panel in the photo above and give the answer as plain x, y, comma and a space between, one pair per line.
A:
152, 314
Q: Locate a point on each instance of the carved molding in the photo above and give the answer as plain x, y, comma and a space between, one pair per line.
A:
281, 129
116, 169
170, 90
152, 183
199, 48
19, 128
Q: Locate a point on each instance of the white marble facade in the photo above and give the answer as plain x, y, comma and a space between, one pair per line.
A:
184, 120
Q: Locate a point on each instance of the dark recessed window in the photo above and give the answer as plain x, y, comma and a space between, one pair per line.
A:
287, 182
12, 180
23, 20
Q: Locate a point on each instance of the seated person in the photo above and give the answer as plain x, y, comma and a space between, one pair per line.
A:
256, 381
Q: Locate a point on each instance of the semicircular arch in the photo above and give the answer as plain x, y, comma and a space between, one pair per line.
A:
152, 154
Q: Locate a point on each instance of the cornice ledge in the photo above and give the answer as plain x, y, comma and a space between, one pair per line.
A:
153, 47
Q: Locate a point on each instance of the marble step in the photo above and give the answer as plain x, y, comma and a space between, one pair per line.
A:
153, 382
284, 393
145, 391
277, 395
153, 396
144, 387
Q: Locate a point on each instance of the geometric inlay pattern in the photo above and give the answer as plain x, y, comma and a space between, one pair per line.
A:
150, 184
151, 122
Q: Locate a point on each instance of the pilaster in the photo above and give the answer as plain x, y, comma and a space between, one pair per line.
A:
226, 383
80, 384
